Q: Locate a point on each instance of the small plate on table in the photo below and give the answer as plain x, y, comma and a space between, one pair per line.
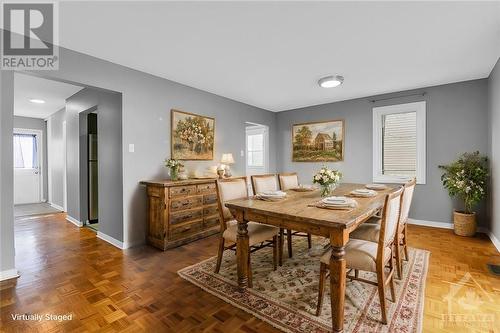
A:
303, 188
376, 187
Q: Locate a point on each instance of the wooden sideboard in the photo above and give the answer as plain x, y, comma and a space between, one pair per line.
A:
181, 211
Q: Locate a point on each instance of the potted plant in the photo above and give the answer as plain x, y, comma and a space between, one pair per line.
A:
327, 179
466, 179
173, 167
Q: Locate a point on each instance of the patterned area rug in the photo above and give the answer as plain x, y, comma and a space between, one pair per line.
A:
286, 298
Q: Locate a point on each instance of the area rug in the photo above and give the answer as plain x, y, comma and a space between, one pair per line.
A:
287, 298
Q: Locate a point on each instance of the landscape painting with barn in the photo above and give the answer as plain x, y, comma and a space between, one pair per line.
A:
192, 136
318, 141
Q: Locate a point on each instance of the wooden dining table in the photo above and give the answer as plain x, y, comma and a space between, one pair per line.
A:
295, 212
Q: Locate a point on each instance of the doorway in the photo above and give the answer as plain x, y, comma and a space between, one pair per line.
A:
28, 156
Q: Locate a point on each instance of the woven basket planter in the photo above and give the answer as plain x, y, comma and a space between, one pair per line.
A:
464, 224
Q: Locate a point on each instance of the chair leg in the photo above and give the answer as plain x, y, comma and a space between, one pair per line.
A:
399, 264
322, 277
280, 253
309, 241
405, 242
381, 293
220, 252
356, 273
391, 282
250, 277
289, 240
275, 252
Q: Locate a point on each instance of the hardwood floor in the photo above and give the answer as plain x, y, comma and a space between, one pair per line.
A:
65, 269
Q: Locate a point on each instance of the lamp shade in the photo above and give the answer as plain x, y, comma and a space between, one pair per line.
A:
227, 158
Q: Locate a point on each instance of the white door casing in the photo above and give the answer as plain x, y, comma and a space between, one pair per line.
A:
28, 180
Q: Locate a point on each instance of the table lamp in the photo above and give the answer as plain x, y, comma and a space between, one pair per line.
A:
227, 159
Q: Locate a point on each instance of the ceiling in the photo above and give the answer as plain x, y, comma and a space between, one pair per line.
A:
271, 54
28, 87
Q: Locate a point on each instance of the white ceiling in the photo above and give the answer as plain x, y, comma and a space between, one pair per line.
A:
28, 87
271, 54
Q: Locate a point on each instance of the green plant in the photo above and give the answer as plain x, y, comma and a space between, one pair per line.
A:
466, 179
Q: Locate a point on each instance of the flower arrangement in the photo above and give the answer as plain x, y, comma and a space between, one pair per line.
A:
328, 179
173, 166
466, 178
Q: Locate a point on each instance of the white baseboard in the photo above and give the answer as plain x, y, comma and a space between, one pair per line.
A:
443, 225
9, 274
74, 221
53, 205
110, 240
494, 240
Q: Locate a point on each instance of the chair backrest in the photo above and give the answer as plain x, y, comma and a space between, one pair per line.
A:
288, 180
262, 183
230, 189
406, 199
390, 218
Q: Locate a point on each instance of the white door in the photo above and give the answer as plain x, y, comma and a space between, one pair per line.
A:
257, 150
27, 171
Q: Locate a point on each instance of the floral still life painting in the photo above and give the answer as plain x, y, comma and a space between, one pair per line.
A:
192, 136
318, 141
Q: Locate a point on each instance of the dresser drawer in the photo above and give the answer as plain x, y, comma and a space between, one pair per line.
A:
186, 230
211, 221
186, 215
206, 188
210, 210
209, 199
183, 203
178, 191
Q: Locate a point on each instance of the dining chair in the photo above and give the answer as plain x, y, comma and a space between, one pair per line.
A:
288, 181
370, 231
259, 235
376, 257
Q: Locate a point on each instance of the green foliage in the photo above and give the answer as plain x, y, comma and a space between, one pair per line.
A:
466, 179
303, 136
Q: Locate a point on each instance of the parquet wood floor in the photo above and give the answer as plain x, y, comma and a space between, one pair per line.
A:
65, 269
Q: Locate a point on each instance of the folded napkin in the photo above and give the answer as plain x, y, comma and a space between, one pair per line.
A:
303, 188
338, 203
271, 195
363, 193
376, 187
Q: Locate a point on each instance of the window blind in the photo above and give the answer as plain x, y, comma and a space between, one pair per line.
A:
399, 144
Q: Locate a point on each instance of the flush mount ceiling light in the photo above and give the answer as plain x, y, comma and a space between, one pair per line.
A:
37, 101
331, 81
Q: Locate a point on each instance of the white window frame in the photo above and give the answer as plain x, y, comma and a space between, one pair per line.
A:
378, 114
261, 129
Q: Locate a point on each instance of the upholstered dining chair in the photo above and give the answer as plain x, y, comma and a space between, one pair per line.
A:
259, 235
362, 255
288, 181
370, 231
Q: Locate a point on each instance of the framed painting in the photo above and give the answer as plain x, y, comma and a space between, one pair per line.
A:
192, 136
321, 141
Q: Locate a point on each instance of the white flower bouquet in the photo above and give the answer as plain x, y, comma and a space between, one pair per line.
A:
328, 179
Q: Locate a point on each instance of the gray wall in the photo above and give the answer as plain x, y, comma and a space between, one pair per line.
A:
37, 124
494, 113
456, 122
147, 101
110, 188
55, 152
6, 171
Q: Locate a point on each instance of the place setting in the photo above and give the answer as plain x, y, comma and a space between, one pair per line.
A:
336, 203
271, 195
304, 188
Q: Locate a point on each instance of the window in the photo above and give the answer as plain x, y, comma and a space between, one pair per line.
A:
399, 143
25, 151
255, 150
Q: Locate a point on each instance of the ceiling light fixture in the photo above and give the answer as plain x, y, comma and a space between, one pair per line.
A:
331, 81
37, 101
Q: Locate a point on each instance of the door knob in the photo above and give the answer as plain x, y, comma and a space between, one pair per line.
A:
36, 172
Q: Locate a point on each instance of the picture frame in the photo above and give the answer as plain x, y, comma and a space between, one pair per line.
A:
192, 136
318, 141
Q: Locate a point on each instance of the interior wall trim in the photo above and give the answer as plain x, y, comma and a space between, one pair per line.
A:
53, 205
111, 240
74, 221
9, 274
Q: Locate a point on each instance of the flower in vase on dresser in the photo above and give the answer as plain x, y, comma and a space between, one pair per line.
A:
328, 179
173, 166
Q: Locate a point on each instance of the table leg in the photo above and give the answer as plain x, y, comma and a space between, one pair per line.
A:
242, 252
338, 240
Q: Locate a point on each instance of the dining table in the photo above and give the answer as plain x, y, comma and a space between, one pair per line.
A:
299, 211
